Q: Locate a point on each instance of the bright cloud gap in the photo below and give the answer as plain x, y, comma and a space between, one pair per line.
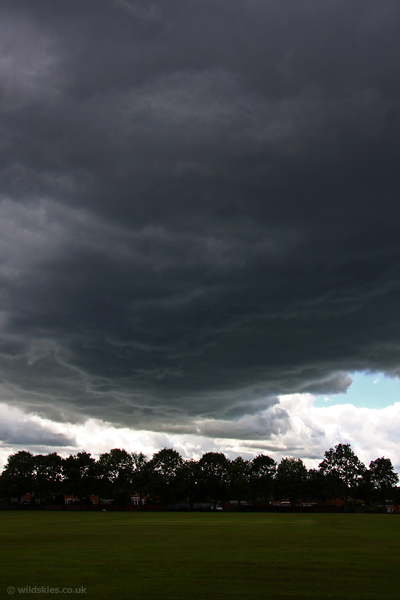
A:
306, 433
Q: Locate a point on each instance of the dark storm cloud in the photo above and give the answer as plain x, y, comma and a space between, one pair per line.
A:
199, 205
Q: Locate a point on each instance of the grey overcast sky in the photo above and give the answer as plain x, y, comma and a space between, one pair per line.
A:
199, 211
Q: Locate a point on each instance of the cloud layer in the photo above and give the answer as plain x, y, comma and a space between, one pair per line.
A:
294, 427
198, 208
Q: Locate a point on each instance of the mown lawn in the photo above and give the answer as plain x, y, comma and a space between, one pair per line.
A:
190, 556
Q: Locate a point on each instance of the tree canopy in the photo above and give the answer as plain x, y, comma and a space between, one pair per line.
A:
214, 478
343, 469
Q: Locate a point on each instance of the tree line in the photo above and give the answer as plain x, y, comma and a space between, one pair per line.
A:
168, 478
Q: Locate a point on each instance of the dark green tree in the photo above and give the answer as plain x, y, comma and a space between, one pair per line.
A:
18, 476
262, 477
164, 467
214, 475
48, 480
116, 470
140, 476
187, 481
316, 486
343, 471
81, 476
383, 479
239, 479
291, 477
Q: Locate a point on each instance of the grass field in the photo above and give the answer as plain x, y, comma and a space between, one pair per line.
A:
188, 556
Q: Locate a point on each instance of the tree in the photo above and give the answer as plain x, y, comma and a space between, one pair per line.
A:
140, 475
18, 476
291, 477
343, 470
262, 476
239, 478
116, 472
187, 481
214, 475
163, 470
48, 475
316, 486
80, 475
383, 478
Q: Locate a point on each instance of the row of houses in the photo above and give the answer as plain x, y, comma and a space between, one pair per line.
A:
69, 499
94, 502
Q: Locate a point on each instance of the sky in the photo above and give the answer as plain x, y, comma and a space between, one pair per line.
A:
199, 226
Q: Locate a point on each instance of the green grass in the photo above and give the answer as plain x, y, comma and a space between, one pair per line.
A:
181, 556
